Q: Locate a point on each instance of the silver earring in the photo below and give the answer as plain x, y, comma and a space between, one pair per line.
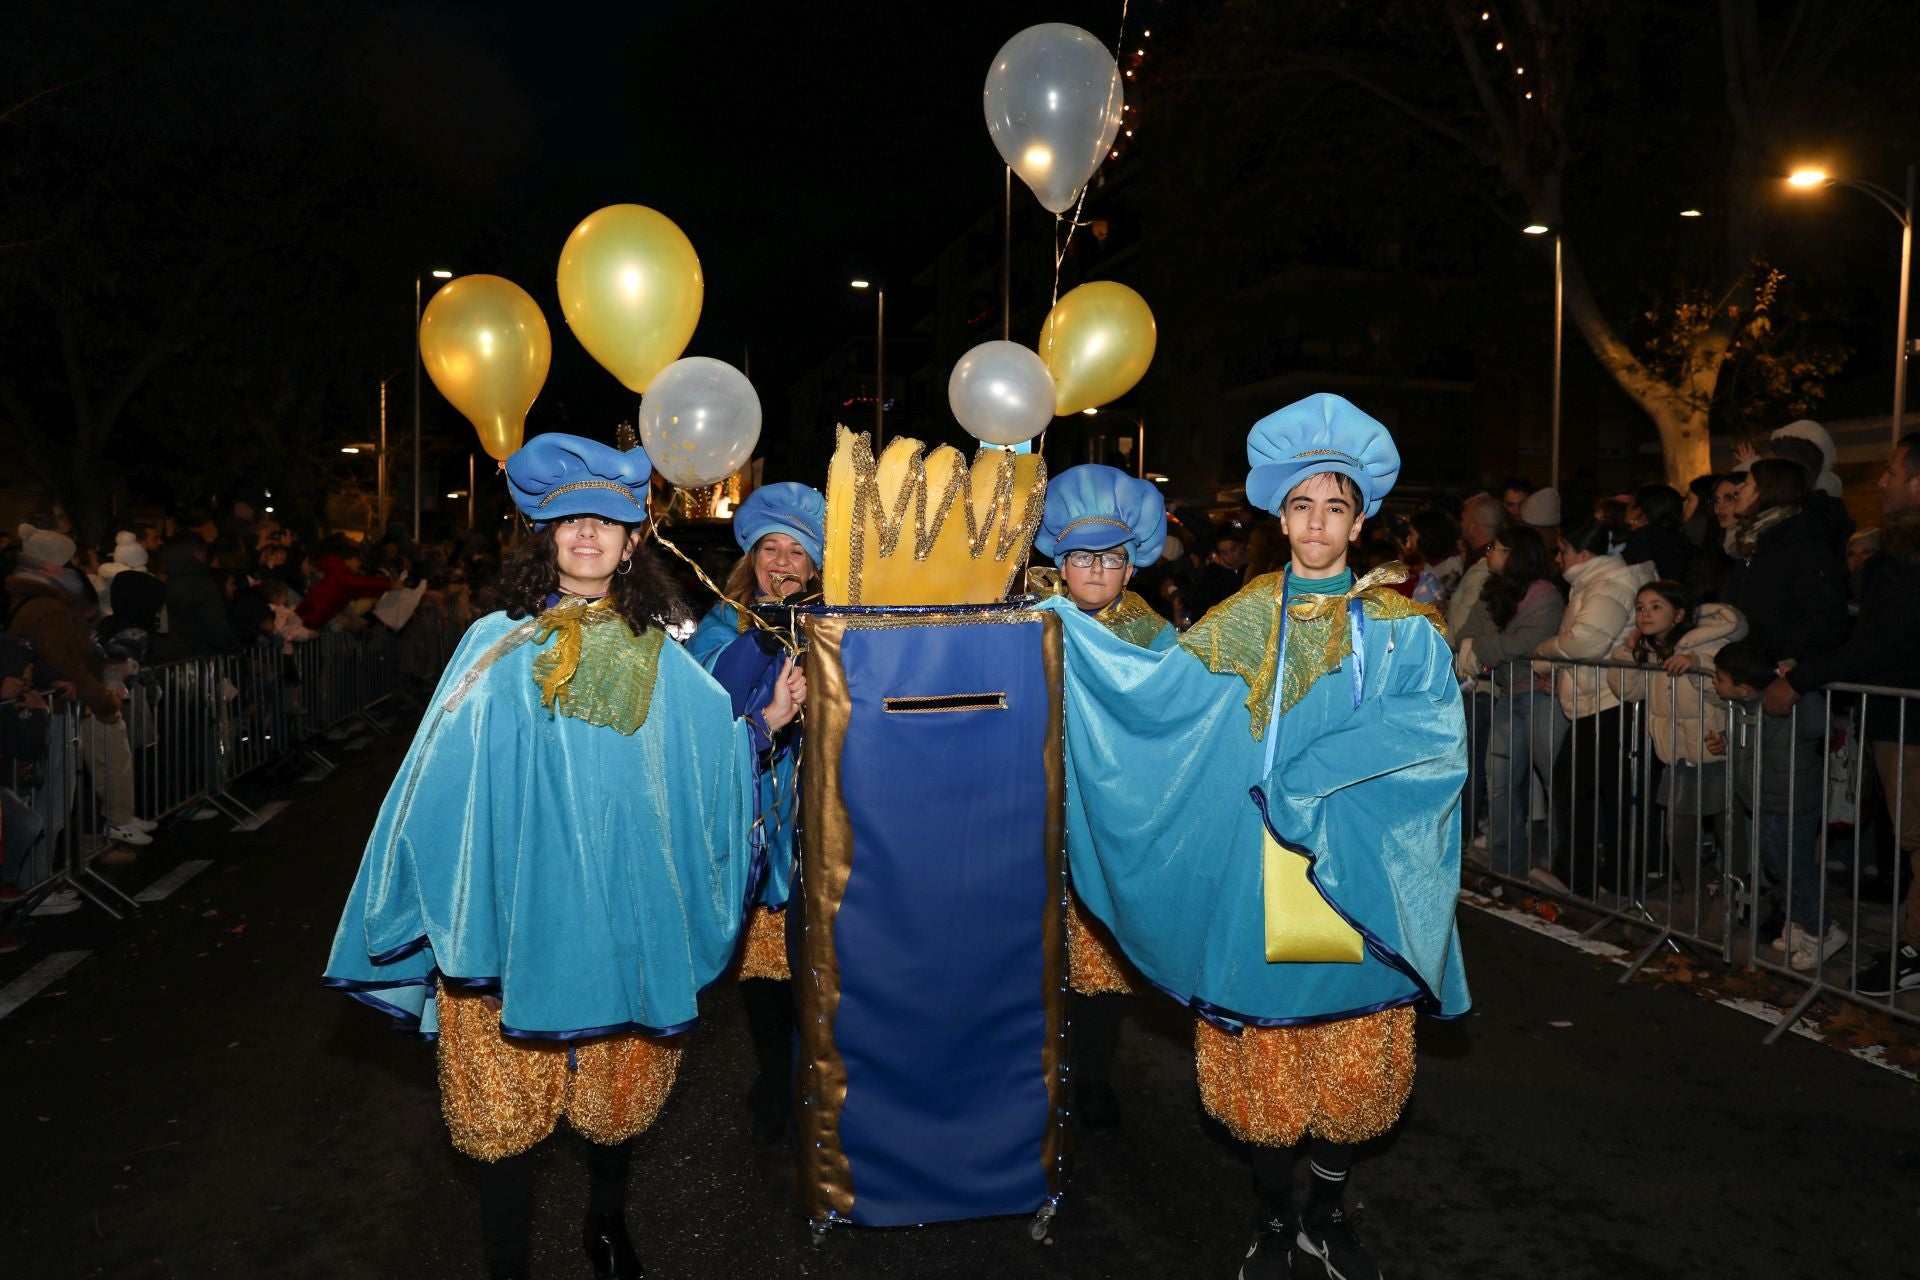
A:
626, 567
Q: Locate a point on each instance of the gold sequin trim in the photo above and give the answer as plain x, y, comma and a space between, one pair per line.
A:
1344, 1081
591, 484
765, 953
501, 1096
1094, 964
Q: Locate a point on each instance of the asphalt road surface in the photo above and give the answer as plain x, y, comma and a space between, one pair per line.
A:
188, 1102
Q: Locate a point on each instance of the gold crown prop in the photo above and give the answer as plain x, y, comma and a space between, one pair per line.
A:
910, 529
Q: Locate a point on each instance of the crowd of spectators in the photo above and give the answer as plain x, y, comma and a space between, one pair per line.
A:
86, 628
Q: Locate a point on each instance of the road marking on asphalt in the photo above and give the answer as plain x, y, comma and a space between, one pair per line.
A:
164, 887
38, 979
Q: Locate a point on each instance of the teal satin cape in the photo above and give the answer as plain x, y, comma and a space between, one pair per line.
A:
746, 672
596, 881
1164, 832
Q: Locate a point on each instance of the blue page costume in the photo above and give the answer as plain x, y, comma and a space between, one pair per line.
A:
570, 832
1316, 722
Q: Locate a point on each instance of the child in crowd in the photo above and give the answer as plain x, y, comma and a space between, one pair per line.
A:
1781, 760
1669, 632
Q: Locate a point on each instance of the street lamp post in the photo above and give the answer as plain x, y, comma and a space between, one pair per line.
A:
418, 364
1902, 211
1559, 328
879, 358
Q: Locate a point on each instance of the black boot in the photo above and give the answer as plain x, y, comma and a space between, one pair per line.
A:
610, 1249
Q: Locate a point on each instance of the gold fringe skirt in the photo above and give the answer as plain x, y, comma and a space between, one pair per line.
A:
1344, 1081
1095, 966
501, 1096
765, 955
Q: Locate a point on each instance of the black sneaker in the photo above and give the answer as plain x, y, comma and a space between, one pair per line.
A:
1270, 1256
1330, 1240
1903, 968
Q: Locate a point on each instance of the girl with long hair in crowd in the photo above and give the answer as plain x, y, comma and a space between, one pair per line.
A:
1680, 638
1519, 609
1791, 577
1586, 770
563, 862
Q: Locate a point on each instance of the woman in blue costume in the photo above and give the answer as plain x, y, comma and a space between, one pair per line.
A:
565, 857
780, 528
1265, 819
1100, 526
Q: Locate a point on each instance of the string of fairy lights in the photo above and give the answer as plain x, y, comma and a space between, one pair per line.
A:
1493, 24
1131, 62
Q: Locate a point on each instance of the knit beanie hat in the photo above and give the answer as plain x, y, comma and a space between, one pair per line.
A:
1541, 509
47, 548
128, 551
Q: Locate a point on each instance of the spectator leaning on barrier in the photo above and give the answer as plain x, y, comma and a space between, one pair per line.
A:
1788, 793
197, 624
340, 584
1654, 535
1586, 769
1791, 583
46, 616
1519, 610
1884, 649
1680, 638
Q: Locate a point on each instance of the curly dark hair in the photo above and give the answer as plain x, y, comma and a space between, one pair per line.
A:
646, 595
1527, 563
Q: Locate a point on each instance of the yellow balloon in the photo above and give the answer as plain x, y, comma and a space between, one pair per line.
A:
1097, 343
630, 288
487, 347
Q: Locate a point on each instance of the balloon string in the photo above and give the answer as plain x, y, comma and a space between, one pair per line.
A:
653, 529
1073, 223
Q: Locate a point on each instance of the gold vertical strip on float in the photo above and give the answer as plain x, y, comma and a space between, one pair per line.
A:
1056, 1149
824, 1181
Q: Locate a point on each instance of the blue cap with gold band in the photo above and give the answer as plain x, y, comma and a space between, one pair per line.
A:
553, 477
1321, 433
1091, 508
789, 507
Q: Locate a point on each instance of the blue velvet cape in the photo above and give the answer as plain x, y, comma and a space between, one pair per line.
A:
747, 673
1164, 812
595, 880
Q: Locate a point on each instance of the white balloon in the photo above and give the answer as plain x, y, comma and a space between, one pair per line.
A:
1054, 101
1001, 392
699, 421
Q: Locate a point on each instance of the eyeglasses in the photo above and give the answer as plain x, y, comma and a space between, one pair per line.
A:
1106, 559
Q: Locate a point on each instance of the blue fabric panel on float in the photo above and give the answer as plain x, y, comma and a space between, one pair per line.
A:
931, 962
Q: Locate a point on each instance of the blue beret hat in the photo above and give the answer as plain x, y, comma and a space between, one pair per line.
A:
789, 507
1091, 508
553, 477
1321, 433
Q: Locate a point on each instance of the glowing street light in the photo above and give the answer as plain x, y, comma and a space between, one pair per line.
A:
1808, 178
1689, 213
438, 273
1536, 229
1559, 330
879, 358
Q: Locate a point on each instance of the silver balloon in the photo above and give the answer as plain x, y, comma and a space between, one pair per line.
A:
1054, 103
699, 421
1001, 393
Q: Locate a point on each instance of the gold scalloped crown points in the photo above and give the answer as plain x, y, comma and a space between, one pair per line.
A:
924, 528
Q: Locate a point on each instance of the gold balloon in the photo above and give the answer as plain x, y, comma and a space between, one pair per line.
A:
487, 347
1097, 343
630, 288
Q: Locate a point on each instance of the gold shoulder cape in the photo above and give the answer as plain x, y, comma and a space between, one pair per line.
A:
1241, 635
1130, 616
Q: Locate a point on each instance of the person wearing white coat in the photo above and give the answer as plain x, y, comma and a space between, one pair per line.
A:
1587, 765
1679, 640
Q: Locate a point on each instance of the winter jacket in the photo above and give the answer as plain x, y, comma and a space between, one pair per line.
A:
1794, 589
138, 597
1466, 593
338, 587
1535, 622
1682, 710
1599, 616
1884, 646
1667, 550
48, 619
1792, 751
196, 608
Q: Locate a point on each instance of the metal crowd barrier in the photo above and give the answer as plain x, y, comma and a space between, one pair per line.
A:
1642, 824
193, 729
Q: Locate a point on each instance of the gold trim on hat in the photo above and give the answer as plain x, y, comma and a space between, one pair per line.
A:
591, 484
